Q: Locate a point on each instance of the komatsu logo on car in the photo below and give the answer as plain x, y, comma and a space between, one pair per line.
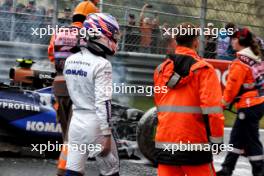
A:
43, 127
18, 106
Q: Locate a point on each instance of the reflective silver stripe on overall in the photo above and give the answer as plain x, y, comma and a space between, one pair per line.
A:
249, 86
237, 151
256, 158
190, 109
174, 80
216, 140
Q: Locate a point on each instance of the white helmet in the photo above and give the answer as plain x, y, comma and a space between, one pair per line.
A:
106, 32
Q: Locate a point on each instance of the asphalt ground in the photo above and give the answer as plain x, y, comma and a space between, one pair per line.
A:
47, 167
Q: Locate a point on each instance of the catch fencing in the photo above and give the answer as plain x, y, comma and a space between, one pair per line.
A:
16, 25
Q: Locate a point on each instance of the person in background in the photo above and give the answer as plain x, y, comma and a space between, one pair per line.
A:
41, 10
57, 54
31, 7
241, 91
155, 34
74, 3
95, 2
67, 13
50, 12
167, 44
210, 44
171, 46
20, 8
146, 26
224, 48
260, 41
164, 37
7, 5
131, 20
65, 20
131, 39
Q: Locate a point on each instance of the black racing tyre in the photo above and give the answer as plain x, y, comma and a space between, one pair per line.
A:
146, 131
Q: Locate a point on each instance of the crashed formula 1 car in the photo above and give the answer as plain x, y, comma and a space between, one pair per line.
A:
28, 115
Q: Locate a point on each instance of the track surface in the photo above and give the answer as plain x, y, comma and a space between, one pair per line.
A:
41, 167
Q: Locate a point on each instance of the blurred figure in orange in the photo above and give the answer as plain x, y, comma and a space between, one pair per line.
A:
57, 56
146, 26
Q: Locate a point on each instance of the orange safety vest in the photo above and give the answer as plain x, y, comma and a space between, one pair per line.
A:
240, 85
190, 112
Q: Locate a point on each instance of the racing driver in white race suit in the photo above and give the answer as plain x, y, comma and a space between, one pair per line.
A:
88, 77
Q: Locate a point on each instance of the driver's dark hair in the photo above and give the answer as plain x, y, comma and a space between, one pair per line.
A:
188, 39
78, 18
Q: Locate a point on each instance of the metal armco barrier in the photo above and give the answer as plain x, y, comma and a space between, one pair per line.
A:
130, 68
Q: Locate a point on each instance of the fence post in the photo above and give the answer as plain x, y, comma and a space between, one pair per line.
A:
124, 31
101, 5
13, 21
202, 26
55, 13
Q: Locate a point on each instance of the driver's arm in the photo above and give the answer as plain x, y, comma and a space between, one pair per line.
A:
103, 95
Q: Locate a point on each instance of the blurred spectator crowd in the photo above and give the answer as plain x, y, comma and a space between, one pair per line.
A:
147, 36
220, 47
31, 8
142, 33
17, 21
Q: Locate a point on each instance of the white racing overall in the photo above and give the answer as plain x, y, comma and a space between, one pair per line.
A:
89, 82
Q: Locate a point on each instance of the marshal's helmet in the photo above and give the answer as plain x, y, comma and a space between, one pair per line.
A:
84, 8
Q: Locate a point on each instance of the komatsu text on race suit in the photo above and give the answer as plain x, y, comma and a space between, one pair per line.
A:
88, 79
